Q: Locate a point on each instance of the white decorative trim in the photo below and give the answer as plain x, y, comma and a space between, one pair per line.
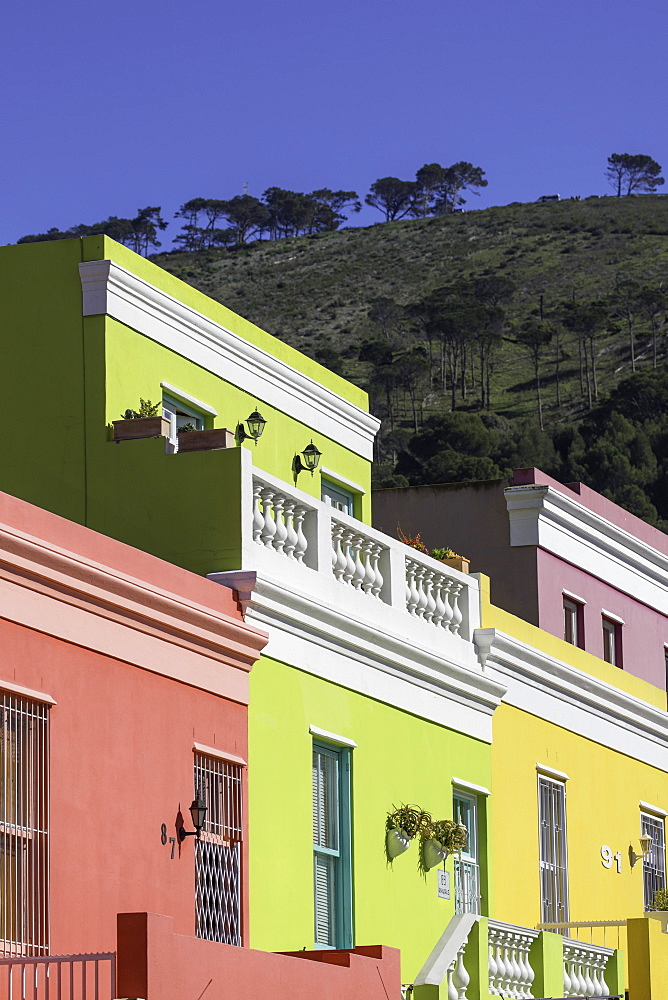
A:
331, 737
324, 628
615, 619
446, 949
649, 808
335, 477
551, 772
219, 754
542, 516
25, 692
574, 597
468, 786
187, 398
561, 694
112, 290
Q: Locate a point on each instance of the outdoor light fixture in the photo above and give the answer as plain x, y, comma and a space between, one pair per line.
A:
311, 457
255, 423
645, 850
198, 814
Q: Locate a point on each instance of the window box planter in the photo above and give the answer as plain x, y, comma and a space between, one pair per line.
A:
140, 427
457, 562
209, 440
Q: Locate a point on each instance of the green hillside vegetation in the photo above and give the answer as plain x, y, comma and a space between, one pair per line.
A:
499, 320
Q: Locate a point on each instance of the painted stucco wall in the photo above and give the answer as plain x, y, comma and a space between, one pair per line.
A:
398, 758
644, 635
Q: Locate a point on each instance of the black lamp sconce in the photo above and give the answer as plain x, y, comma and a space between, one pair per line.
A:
198, 814
311, 456
255, 425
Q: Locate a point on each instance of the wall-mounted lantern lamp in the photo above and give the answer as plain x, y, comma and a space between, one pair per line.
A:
255, 424
645, 850
311, 457
198, 814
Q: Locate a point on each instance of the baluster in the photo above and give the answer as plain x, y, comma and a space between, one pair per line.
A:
492, 967
447, 613
452, 990
377, 586
349, 571
603, 968
281, 530
269, 527
358, 576
530, 974
568, 983
290, 533
429, 592
338, 557
460, 977
439, 610
456, 610
422, 596
369, 573
590, 986
258, 516
576, 972
302, 543
412, 597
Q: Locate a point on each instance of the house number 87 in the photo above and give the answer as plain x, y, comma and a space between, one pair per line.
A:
607, 858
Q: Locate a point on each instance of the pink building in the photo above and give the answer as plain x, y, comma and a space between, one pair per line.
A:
559, 556
124, 695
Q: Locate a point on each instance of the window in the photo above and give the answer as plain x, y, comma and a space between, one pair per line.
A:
218, 852
467, 868
574, 622
179, 413
552, 847
24, 818
337, 497
654, 866
331, 847
612, 641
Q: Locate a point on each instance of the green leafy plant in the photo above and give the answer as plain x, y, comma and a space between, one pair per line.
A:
660, 901
146, 409
408, 819
413, 541
446, 553
449, 836
187, 428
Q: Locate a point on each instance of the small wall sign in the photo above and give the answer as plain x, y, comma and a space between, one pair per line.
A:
443, 884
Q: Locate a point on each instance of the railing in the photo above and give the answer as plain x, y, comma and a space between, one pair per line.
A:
590, 925
510, 971
584, 969
306, 531
59, 977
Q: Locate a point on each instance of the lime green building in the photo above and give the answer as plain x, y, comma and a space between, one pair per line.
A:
382, 683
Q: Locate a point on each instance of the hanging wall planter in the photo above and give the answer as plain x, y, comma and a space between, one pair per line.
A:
432, 854
396, 843
438, 838
402, 824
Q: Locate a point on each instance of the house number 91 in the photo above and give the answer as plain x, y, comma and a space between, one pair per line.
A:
607, 858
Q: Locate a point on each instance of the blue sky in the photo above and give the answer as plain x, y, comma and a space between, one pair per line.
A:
107, 108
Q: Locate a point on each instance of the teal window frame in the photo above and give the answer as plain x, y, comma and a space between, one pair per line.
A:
332, 842
173, 405
348, 495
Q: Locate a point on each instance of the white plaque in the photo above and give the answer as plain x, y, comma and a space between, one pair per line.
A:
443, 884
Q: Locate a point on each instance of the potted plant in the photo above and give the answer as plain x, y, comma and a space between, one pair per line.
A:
190, 439
146, 422
438, 838
660, 901
414, 541
403, 823
451, 559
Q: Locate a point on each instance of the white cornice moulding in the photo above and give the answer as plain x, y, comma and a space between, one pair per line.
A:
648, 807
468, 786
574, 700
109, 289
542, 516
324, 734
347, 638
219, 754
334, 477
551, 772
187, 398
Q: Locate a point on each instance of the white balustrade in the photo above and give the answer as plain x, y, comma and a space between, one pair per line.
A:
458, 977
510, 971
433, 595
584, 969
297, 528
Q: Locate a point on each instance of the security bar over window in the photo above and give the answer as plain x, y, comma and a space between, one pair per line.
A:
218, 852
653, 866
24, 820
552, 840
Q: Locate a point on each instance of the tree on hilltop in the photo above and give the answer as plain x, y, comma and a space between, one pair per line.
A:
392, 196
633, 173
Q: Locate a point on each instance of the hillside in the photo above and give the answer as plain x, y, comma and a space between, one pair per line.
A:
316, 292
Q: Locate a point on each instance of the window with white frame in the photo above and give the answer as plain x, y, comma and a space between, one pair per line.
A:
612, 641
337, 497
331, 846
218, 852
24, 826
573, 622
553, 850
466, 865
654, 865
181, 414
